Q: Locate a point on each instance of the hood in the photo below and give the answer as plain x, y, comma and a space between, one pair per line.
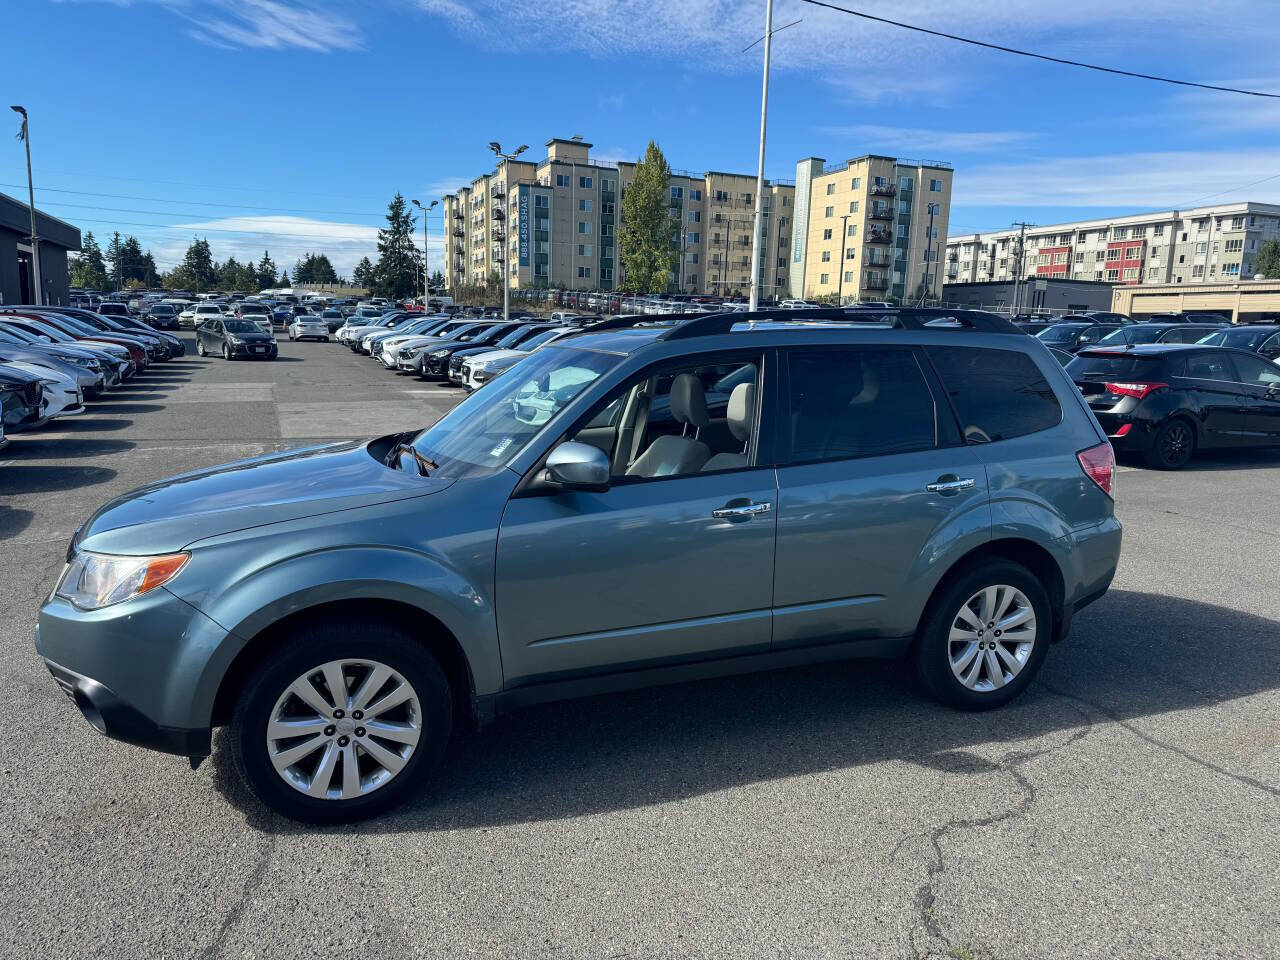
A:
251, 335
414, 342
173, 513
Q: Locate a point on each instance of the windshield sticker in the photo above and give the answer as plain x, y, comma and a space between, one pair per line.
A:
501, 448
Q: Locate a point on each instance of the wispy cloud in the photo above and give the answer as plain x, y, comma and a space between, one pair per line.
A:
1167, 179
260, 24
913, 140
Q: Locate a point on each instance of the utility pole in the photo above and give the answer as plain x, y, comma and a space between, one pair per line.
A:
764, 118
25, 136
928, 247
506, 250
1017, 279
426, 259
844, 232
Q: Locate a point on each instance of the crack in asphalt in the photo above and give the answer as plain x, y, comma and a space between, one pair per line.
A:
927, 894
256, 876
1240, 778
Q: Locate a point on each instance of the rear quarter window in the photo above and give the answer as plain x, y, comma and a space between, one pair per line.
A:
996, 394
1117, 366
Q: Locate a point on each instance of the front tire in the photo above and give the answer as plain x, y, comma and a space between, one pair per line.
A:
1172, 446
317, 756
200, 349
984, 636
226, 352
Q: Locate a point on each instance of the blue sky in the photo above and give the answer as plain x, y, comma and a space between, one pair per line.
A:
288, 124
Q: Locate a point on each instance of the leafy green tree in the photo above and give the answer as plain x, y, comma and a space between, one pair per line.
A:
89, 269
399, 262
649, 238
1267, 262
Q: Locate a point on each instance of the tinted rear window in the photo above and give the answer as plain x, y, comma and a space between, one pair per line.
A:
997, 394
1121, 366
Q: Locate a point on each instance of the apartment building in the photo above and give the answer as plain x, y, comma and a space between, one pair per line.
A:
868, 228
1201, 245
555, 223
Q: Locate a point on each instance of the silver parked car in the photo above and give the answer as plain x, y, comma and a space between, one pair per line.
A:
630, 505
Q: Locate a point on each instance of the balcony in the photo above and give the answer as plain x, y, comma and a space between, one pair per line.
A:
458, 214
876, 258
499, 214
881, 213
498, 190
498, 233
459, 232
875, 283
878, 234
884, 190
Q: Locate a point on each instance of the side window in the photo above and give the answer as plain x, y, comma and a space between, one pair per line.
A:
1271, 348
1210, 366
1259, 373
857, 403
681, 421
997, 394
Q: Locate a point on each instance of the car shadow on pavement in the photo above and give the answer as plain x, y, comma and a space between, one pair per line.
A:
1217, 460
129, 406
13, 521
34, 446
87, 423
22, 479
1131, 655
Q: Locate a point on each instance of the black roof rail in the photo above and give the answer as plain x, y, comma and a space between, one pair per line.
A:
903, 318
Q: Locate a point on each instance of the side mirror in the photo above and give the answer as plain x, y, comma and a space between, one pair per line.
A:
578, 466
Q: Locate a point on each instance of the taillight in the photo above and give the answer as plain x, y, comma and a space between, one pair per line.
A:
1099, 464
1134, 389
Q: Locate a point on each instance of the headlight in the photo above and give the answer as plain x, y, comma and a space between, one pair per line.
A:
439, 353
94, 580
235, 341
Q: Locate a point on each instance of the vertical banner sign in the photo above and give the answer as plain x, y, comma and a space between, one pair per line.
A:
524, 225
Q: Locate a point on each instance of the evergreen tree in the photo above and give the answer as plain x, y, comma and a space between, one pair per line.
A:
198, 265
363, 275
266, 271
284, 278
115, 257
89, 269
399, 261
437, 281
149, 272
649, 241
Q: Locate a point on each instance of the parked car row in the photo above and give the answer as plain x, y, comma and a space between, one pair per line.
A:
53, 359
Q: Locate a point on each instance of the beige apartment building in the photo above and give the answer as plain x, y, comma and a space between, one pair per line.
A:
555, 223
868, 229
1200, 245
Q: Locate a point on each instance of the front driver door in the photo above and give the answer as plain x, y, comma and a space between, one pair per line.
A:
651, 571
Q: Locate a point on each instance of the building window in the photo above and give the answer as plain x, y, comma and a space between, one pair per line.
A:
695, 216
826, 256
848, 276
584, 206
851, 254
856, 183
935, 186
693, 237
1134, 253
1131, 273
606, 185
691, 256
826, 234
1231, 269
852, 231
584, 228
541, 200
585, 184
1079, 257
584, 249
824, 279
1113, 274
722, 196
584, 273
562, 180
677, 193
831, 211
831, 188
1233, 246
695, 194
606, 273
1100, 255
1113, 253
1119, 233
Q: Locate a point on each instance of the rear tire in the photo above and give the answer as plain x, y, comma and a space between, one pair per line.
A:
358, 649
200, 349
226, 352
1172, 446
975, 665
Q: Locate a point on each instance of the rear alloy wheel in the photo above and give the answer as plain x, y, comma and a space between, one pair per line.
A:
985, 637
200, 348
345, 723
226, 352
1173, 445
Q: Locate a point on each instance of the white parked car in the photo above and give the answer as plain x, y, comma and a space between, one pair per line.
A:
62, 395
308, 327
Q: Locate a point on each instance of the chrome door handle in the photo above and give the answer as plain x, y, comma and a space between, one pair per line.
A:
745, 510
950, 486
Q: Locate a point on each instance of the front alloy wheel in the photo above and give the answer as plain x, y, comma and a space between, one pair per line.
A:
344, 729
342, 722
991, 638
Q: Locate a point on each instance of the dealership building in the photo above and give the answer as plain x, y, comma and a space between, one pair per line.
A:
17, 273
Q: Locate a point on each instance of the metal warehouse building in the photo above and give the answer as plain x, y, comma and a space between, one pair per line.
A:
17, 277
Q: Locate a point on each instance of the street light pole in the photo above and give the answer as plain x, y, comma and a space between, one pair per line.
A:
764, 117
25, 136
426, 259
928, 248
506, 249
844, 232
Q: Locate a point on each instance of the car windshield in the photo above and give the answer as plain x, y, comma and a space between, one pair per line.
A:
1135, 333
492, 425
252, 308
1240, 339
236, 325
1061, 333
534, 342
512, 338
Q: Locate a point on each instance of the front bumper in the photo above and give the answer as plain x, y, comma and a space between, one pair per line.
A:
248, 350
111, 716
144, 671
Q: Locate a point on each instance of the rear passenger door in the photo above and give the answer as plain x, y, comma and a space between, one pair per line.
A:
1221, 399
1261, 379
872, 482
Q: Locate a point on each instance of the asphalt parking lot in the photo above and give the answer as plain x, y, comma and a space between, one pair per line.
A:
1127, 806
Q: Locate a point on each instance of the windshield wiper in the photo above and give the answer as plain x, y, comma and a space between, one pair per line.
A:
424, 464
